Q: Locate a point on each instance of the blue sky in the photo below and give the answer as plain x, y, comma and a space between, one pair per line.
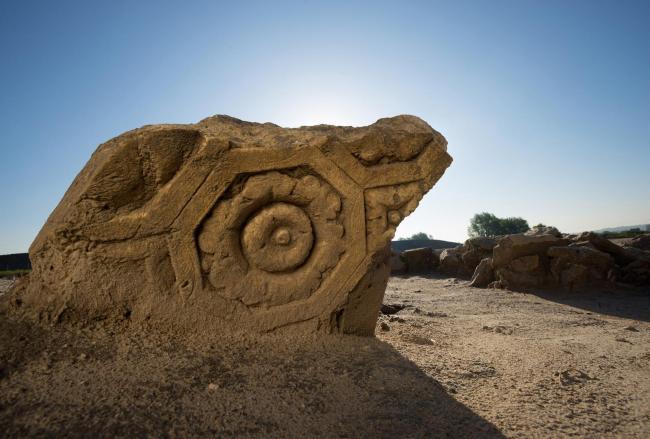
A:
545, 104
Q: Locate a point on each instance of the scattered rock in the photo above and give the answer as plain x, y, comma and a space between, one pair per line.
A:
213, 387
572, 376
478, 369
391, 308
417, 339
499, 329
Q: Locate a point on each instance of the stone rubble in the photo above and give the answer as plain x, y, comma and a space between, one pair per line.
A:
543, 258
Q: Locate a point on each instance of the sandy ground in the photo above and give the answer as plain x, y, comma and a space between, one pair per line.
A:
534, 365
454, 362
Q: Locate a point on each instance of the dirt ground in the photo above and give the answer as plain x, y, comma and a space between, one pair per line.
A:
453, 362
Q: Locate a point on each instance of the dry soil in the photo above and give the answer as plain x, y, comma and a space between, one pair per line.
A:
453, 362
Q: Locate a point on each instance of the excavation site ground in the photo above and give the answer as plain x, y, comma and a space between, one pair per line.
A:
449, 360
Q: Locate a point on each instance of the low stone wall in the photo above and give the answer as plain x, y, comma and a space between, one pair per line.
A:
540, 258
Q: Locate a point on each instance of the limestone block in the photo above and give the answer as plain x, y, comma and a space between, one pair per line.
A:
590, 257
481, 242
227, 224
620, 254
525, 264
515, 246
450, 261
418, 260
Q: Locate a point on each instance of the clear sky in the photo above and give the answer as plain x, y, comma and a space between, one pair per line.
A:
545, 104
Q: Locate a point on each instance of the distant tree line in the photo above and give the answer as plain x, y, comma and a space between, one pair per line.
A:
486, 224
631, 233
417, 236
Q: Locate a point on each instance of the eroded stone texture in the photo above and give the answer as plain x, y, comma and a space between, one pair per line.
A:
227, 224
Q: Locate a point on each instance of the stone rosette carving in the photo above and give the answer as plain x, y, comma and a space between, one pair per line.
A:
227, 224
275, 240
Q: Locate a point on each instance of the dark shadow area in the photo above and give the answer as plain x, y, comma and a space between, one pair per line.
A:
408, 244
630, 303
16, 261
69, 383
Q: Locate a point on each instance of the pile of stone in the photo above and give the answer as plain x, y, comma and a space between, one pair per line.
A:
459, 261
463, 260
547, 259
540, 258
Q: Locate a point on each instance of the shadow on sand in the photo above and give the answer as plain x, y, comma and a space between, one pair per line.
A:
62, 382
630, 303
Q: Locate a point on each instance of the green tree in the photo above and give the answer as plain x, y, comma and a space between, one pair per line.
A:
514, 225
418, 236
488, 224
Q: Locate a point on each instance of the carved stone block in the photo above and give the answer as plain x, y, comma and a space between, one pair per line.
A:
227, 224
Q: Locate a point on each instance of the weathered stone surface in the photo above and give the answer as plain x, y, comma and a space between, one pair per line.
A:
462, 260
418, 260
525, 264
481, 242
620, 254
473, 251
450, 261
587, 256
227, 224
579, 266
515, 246
572, 276
483, 275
